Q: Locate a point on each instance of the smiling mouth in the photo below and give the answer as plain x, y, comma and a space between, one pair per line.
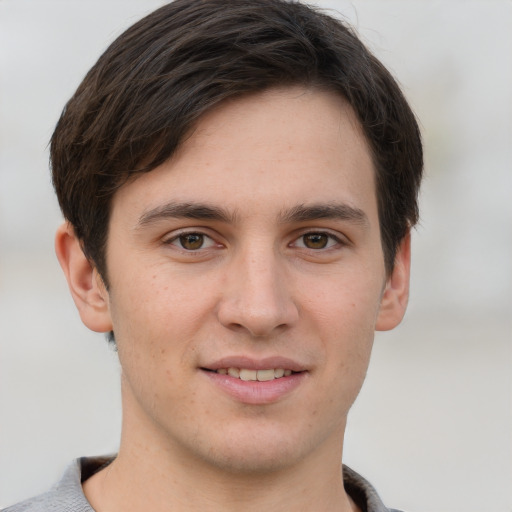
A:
254, 375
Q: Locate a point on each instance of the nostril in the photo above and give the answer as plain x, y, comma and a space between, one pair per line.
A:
259, 310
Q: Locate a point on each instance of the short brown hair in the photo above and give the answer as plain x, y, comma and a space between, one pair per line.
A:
143, 96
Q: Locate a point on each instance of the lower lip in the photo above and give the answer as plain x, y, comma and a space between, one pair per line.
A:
256, 392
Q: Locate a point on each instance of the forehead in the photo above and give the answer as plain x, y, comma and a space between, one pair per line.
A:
279, 148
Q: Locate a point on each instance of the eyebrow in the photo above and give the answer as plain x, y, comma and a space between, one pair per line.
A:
197, 211
299, 213
337, 211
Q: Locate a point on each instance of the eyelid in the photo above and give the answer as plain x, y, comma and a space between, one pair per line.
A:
337, 237
175, 235
169, 238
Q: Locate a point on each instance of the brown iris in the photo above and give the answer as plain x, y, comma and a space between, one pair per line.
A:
315, 240
192, 241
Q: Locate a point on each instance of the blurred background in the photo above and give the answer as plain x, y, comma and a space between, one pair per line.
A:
432, 428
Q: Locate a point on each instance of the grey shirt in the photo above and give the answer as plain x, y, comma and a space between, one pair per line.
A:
67, 495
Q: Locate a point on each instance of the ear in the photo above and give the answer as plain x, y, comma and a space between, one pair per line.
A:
85, 283
396, 292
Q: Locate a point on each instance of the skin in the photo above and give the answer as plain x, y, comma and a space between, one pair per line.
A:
266, 282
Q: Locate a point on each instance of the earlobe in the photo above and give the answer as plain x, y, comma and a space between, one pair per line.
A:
86, 286
396, 293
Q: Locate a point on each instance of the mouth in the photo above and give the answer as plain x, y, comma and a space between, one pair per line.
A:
248, 374
256, 381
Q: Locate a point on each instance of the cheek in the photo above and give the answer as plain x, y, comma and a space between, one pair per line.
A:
156, 302
346, 323
152, 341
156, 322
345, 302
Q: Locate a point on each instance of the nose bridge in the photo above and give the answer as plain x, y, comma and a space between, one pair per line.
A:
258, 297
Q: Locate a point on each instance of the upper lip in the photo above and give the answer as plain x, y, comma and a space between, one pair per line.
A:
251, 363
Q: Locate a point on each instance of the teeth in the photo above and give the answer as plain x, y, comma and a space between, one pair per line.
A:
248, 374
259, 375
263, 375
234, 372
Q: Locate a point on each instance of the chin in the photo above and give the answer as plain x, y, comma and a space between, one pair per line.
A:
254, 461
258, 450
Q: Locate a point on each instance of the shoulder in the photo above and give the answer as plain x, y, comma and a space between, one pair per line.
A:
39, 503
42, 503
67, 494
362, 492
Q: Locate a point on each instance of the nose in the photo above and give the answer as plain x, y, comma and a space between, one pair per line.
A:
257, 296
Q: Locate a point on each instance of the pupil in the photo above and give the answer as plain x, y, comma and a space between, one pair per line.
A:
315, 241
191, 241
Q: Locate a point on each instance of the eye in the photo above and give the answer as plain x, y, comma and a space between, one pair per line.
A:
317, 241
192, 241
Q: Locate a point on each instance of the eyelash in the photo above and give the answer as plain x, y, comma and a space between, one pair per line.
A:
180, 236
332, 240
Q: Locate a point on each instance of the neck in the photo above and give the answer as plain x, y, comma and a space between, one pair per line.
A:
153, 473
132, 484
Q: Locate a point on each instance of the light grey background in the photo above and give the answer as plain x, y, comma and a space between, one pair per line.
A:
432, 427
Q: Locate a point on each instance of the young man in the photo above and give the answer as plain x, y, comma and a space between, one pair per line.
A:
239, 180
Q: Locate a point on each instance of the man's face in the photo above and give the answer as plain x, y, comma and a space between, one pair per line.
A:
254, 253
